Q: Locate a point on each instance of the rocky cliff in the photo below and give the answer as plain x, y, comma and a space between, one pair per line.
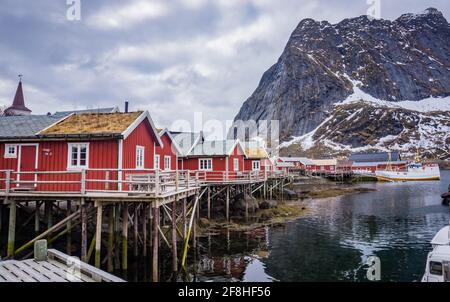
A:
400, 66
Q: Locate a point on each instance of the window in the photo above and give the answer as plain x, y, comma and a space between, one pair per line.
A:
157, 162
78, 156
205, 164
10, 151
256, 165
140, 155
236, 164
436, 268
166, 163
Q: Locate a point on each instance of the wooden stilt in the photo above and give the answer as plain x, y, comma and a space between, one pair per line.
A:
227, 203
1, 215
150, 228
183, 213
69, 227
117, 236
83, 215
110, 265
174, 237
48, 207
136, 231
144, 230
36, 217
209, 203
125, 237
155, 272
98, 236
12, 229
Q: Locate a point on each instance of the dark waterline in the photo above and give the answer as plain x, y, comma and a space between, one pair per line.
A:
333, 241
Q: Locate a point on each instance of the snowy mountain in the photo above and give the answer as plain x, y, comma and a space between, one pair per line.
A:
361, 84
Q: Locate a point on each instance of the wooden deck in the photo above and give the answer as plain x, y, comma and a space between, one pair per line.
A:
57, 268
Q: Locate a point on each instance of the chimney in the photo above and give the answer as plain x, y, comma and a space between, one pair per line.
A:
126, 106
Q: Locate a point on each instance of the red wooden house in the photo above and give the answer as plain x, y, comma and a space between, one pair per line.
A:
166, 157
107, 146
371, 162
257, 158
216, 160
324, 165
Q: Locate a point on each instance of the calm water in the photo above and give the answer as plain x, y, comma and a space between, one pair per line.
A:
333, 241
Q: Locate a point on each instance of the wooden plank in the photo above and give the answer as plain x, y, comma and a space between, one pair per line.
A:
21, 274
89, 270
81, 278
41, 267
8, 275
37, 276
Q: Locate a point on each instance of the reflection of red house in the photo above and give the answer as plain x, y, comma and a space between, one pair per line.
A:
81, 142
166, 157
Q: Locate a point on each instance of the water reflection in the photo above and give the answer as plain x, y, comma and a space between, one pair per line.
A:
333, 242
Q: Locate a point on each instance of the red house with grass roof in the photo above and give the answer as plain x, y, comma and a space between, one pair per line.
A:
107, 146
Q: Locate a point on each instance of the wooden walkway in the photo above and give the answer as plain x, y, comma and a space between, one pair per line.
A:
57, 268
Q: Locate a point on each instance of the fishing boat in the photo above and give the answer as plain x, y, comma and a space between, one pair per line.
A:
413, 172
437, 268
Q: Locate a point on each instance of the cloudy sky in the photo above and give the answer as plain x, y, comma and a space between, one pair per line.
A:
171, 57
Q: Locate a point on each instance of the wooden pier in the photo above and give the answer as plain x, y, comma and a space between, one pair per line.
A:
114, 210
52, 266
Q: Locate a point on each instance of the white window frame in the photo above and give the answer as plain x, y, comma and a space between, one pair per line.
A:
70, 166
157, 162
258, 168
235, 164
140, 162
167, 163
200, 160
9, 155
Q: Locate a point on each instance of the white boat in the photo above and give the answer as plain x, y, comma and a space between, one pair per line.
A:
414, 171
437, 268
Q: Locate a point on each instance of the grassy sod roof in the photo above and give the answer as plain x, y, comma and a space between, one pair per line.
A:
93, 123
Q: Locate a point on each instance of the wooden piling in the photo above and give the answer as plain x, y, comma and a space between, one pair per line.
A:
110, 266
49, 217
183, 213
136, 231
12, 228
83, 215
98, 236
117, 236
125, 237
69, 227
209, 203
37, 217
1, 215
144, 230
227, 203
155, 272
174, 237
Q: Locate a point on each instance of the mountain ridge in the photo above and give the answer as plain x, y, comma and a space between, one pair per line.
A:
323, 64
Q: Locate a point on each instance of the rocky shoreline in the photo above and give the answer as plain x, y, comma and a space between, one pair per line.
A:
273, 212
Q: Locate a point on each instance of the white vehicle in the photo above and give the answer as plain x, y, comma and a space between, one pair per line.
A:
438, 261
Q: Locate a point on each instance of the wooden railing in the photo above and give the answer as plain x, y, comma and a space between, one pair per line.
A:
123, 180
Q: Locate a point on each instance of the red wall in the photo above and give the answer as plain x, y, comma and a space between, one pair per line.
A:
52, 156
237, 153
167, 150
141, 136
